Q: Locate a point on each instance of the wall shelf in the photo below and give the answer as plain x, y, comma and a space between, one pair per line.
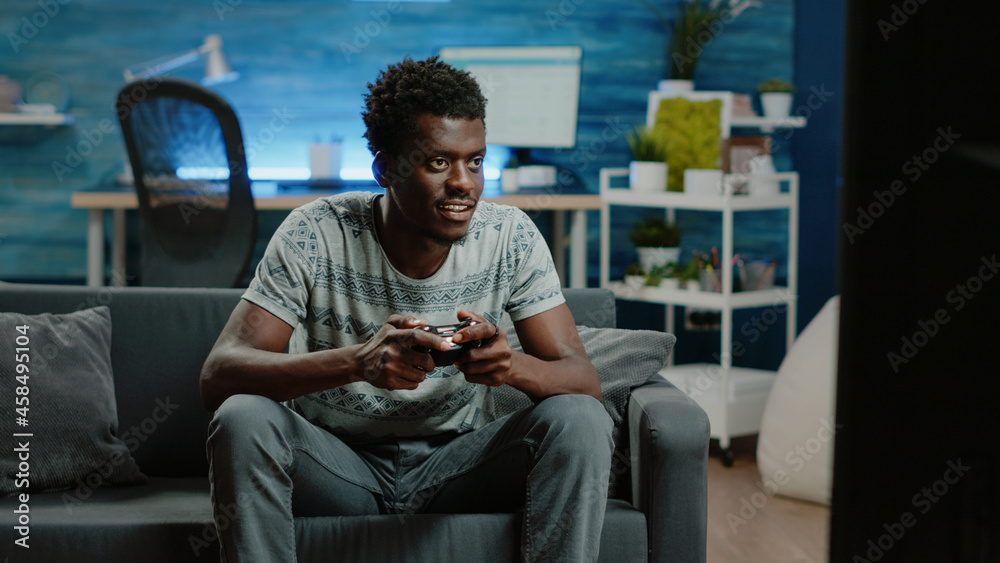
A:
40, 119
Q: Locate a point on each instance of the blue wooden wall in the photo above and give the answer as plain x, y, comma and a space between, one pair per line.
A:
309, 61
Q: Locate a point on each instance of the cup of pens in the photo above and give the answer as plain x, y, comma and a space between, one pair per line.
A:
755, 275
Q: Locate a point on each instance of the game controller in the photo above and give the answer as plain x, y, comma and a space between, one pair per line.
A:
447, 357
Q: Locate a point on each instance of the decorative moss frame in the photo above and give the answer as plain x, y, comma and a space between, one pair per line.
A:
694, 125
692, 134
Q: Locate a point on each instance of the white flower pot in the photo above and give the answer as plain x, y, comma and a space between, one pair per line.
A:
673, 86
635, 282
653, 256
647, 176
703, 181
776, 105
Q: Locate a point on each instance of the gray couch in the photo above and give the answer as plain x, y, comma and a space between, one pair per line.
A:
161, 337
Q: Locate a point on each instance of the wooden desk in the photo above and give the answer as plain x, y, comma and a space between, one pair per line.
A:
268, 196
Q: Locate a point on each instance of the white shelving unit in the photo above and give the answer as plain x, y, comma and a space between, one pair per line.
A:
733, 397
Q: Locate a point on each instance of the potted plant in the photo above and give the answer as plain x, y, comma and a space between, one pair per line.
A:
776, 98
689, 275
648, 169
696, 26
656, 240
635, 276
663, 276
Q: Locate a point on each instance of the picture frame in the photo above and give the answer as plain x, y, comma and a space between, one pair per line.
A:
738, 151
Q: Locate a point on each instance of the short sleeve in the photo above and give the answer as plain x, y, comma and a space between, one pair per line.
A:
285, 275
535, 287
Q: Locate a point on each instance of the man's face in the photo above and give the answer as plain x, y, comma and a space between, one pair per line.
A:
435, 184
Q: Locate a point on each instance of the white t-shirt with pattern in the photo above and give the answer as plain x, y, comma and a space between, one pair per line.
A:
326, 275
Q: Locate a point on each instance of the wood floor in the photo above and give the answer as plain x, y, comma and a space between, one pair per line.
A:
776, 531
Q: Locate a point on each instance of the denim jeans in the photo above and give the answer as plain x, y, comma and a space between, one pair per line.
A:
552, 460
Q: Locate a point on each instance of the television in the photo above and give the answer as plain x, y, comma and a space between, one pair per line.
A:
532, 93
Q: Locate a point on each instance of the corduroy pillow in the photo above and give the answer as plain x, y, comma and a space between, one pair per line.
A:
624, 358
57, 404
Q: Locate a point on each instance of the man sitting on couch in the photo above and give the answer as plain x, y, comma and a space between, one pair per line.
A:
369, 424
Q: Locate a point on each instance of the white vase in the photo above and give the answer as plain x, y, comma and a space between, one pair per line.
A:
776, 105
635, 282
760, 180
653, 256
647, 176
673, 86
703, 181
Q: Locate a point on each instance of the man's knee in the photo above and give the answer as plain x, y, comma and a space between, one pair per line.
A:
239, 411
581, 419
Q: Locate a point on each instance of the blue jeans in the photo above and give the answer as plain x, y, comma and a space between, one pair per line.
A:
551, 460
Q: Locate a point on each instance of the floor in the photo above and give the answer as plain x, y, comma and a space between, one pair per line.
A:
746, 527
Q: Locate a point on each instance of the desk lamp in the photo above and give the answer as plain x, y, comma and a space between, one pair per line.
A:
217, 69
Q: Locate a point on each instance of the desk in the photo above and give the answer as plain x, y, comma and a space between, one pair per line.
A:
268, 196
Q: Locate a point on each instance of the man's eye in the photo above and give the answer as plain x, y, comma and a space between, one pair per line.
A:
438, 163
476, 162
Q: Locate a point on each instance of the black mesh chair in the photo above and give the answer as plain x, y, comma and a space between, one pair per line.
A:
186, 150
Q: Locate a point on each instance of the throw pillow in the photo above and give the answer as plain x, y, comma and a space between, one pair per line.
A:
59, 393
624, 360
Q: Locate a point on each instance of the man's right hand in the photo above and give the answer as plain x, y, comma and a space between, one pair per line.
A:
388, 360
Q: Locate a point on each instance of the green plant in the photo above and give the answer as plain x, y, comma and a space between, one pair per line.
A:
691, 271
654, 230
659, 273
634, 269
775, 85
647, 144
695, 27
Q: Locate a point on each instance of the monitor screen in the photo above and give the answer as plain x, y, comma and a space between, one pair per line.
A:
531, 92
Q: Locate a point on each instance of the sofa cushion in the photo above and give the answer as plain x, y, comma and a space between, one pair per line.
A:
624, 358
168, 520
65, 395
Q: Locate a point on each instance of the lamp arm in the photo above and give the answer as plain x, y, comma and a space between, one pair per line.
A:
163, 64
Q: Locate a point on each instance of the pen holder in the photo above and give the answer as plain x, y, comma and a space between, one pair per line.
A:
709, 281
757, 275
324, 161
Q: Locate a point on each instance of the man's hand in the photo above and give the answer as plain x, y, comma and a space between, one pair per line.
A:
388, 360
490, 364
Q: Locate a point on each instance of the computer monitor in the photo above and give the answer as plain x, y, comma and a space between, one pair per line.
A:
531, 93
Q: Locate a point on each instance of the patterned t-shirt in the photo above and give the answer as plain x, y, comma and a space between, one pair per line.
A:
325, 274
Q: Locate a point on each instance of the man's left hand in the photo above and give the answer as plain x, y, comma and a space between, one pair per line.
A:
490, 364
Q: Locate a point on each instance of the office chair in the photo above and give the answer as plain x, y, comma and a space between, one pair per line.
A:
186, 150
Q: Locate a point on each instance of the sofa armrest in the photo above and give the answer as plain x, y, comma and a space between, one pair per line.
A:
669, 437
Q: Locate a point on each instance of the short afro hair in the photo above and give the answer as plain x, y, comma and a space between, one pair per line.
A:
409, 89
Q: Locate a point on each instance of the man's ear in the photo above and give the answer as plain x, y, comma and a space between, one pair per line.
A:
380, 169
